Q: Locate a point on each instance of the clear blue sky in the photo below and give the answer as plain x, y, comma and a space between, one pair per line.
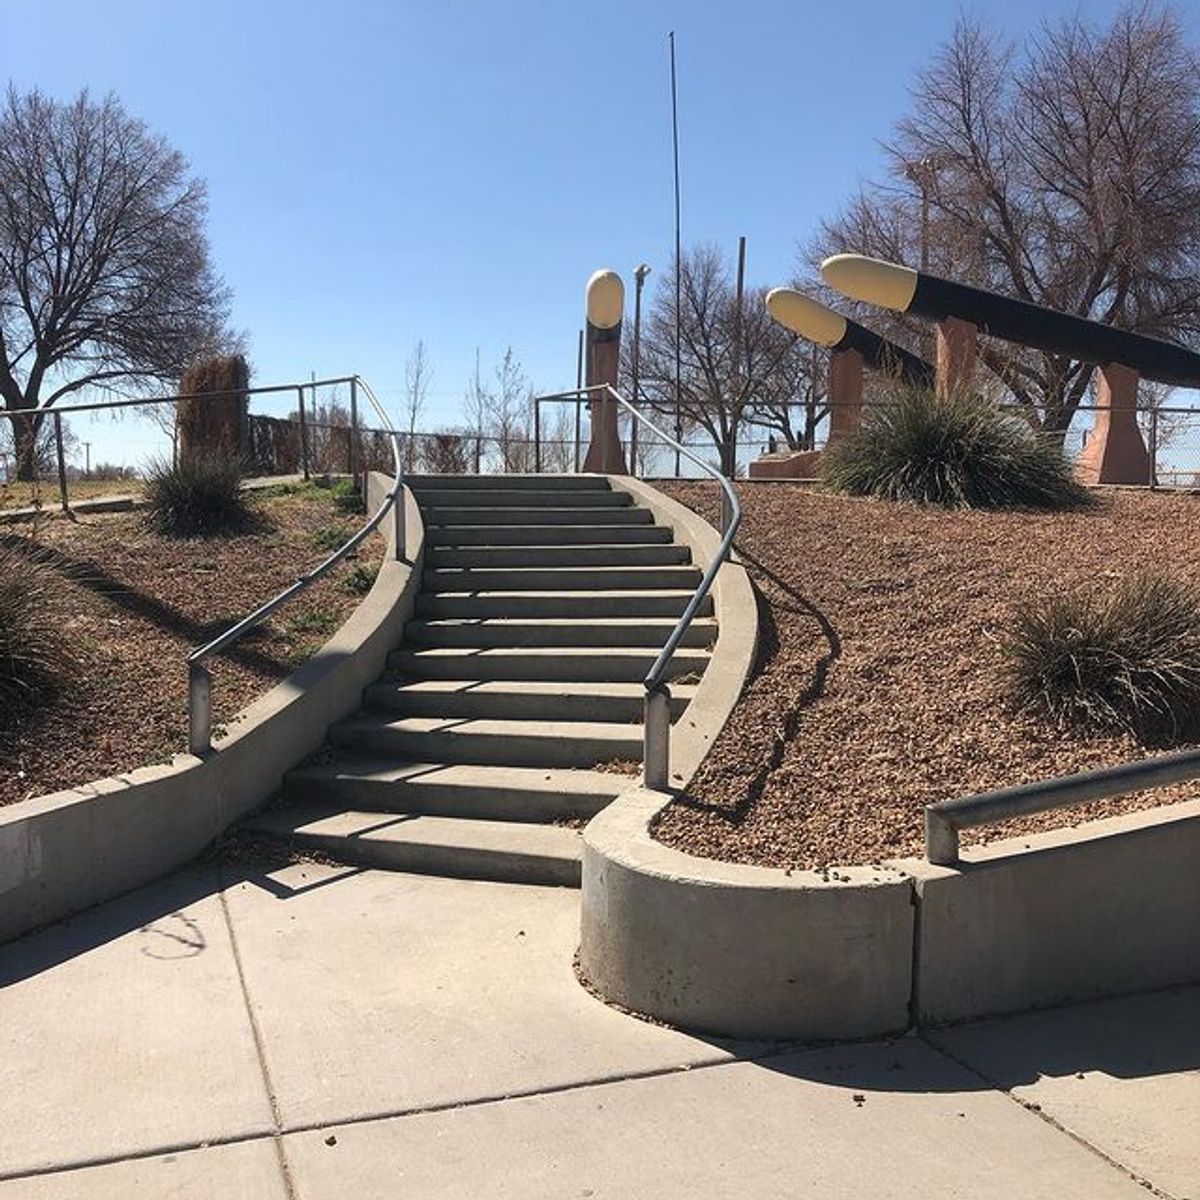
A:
383, 172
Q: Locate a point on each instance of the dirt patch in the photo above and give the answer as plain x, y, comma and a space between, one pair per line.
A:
133, 603
878, 687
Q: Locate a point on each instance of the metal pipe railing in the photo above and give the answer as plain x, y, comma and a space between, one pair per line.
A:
944, 819
656, 728
200, 678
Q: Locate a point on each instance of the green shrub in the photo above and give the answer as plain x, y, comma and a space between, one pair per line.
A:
960, 452
330, 537
199, 496
34, 658
1125, 659
346, 498
359, 580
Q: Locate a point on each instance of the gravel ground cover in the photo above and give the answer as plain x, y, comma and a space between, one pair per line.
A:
878, 685
133, 603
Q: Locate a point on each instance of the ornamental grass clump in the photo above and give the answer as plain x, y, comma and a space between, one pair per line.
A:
958, 452
1125, 659
199, 496
34, 657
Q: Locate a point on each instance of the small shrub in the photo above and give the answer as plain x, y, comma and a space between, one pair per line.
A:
329, 537
960, 452
199, 496
346, 498
312, 621
34, 658
1126, 659
359, 579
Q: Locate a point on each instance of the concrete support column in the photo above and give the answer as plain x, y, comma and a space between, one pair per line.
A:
605, 304
1115, 452
845, 394
956, 345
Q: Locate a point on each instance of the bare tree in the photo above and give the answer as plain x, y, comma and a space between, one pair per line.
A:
418, 375
738, 365
105, 277
1065, 171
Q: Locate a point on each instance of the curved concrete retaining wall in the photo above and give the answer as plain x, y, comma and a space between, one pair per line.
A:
740, 951
64, 852
750, 952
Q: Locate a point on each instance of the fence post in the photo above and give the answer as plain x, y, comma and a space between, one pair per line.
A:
353, 464
62, 463
656, 735
478, 453
1153, 448
303, 433
537, 436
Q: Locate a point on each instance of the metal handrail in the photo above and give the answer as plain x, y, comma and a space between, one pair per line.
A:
656, 734
200, 678
944, 819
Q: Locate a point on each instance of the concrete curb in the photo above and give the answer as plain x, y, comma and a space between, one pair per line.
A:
64, 852
718, 947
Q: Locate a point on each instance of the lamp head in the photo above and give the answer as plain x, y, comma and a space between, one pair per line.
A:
605, 300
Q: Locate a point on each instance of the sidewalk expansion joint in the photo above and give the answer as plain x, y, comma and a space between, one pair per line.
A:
259, 1047
1037, 1111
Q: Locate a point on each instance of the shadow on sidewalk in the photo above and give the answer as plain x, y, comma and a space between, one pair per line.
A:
158, 911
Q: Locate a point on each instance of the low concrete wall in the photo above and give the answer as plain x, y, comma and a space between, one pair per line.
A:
740, 951
1107, 908
718, 947
64, 852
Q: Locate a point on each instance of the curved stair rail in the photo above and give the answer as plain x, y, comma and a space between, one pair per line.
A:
199, 676
656, 735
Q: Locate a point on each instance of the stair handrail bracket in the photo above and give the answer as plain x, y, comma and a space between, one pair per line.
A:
199, 676
656, 736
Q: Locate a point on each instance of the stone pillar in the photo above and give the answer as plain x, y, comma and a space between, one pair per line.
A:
605, 301
1115, 452
845, 394
956, 341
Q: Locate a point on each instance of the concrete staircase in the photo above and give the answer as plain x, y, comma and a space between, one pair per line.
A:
544, 602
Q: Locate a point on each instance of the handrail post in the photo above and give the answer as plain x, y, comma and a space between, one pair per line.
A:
941, 839
398, 520
199, 709
726, 512
656, 735
62, 463
304, 430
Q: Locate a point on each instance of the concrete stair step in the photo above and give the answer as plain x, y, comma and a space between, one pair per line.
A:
591, 665
558, 556
572, 483
437, 536
519, 700
466, 849
557, 579
504, 743
575, 632
512, 497
559, 604
457, 790
508, 514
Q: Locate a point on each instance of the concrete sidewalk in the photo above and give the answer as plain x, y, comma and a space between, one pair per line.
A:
318, 1032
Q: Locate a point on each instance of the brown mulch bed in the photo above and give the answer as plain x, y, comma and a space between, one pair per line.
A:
878, 687
133, 603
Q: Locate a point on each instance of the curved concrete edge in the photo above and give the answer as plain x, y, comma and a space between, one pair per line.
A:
740, 951
1105, 908
723, 948
64, 852
736, 610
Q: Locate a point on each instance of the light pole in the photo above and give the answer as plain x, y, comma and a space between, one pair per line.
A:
639, 276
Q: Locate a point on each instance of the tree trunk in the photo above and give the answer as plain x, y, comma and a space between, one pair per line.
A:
25, 431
